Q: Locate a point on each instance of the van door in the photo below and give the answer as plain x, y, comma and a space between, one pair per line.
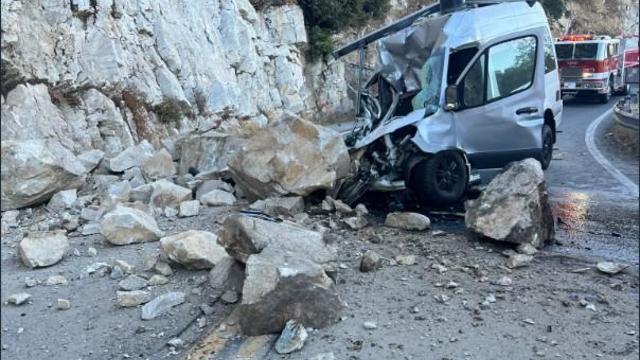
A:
502, 103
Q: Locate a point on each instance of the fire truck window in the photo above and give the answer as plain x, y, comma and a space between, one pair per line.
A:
511, 67
586, 51
564, 51
549, 57
473, 84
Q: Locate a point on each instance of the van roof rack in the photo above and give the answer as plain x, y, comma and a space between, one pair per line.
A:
408, 20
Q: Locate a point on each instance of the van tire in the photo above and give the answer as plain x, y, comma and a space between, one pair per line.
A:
441, 179
546, 152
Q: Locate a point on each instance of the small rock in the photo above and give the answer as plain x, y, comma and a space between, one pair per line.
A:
30, 282
529, 321
342, 208
280, 206
189, 208
438, 233
18, 299
229, 297
63, 304
176, 343
132, 298
209, 185
527, 249
91, 228
407, 221
610, 268
56, 280
327, 204
375, 239
591, 307
504, 281
218, 198
97, 267
132, 282
439, 268
323, 356
361, 210
369, 325
356, 222
157, 280
92, 251
62, 200
91, 213
406, 259
292, 338
371, 261
162, 304
442, 298
163, 268
518, 260
43, 248
116, 273
452, 285
170, 212
125, 266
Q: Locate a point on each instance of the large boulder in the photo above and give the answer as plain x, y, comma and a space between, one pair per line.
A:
43, 248
293, 157
167, 194
159, 166
286, 274
514, 207
34, 170
125, 225
193, 249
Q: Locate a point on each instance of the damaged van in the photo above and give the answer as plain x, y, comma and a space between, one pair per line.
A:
461, 86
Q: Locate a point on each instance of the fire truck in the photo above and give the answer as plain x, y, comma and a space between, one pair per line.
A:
592, 65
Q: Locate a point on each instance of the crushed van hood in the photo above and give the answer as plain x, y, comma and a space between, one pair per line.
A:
403, 54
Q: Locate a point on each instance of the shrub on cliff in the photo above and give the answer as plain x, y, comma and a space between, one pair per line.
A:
325, 18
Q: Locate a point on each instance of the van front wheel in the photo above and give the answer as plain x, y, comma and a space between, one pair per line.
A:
440, 180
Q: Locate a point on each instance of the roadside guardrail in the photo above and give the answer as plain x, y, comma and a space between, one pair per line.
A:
625, 113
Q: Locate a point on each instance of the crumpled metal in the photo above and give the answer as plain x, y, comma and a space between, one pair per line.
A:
402, 55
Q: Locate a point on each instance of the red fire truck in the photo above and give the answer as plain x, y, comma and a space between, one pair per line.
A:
592, 65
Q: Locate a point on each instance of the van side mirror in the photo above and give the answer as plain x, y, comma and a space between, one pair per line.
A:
451, 98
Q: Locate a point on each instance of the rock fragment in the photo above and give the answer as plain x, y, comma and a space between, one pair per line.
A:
63, 304
371, 261
168, 194
157, 280
159, 166
18, 299
189, 208
229, 297
193, 249
610, 268
514, 207
356, 222
132, 282
161, 305
518, 260
292, 338
407, 221
54, 280
125, 225
369, 325
280, 206
62, 200
42, 249
215, 184
218, 198
132, 298
407, 260
130, 157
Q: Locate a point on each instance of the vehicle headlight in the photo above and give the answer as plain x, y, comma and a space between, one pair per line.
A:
587, 75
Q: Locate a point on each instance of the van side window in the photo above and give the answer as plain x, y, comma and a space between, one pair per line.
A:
549, 55
510, 67
473, 84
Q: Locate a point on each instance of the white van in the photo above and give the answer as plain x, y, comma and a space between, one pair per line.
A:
461, 85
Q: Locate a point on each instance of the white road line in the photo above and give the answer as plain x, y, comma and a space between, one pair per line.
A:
631, 187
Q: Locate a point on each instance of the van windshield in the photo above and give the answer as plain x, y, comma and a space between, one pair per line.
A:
586, 51
564, 51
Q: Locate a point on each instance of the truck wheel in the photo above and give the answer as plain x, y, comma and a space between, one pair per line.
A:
624, 90
440, 180
604, 98
546, 152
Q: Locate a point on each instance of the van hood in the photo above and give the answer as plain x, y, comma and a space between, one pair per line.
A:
402, 55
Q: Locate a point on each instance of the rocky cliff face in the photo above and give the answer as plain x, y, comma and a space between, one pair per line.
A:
106, 73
